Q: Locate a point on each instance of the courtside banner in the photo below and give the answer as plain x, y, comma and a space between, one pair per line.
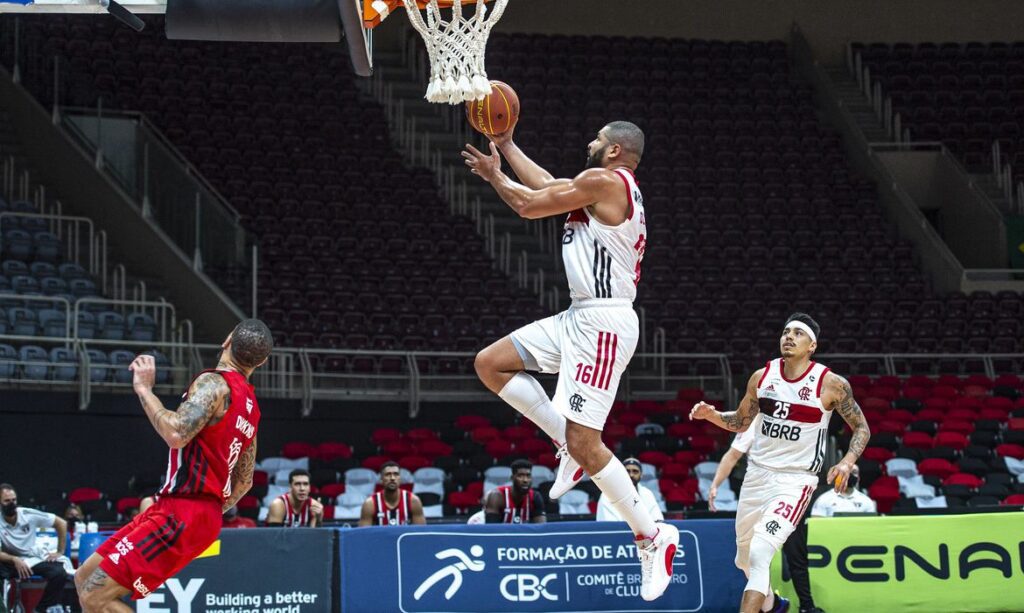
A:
258, 570
565, 566
961, 563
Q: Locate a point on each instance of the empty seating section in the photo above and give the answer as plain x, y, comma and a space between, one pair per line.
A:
38, 291
965, 95
356, 249
944, 442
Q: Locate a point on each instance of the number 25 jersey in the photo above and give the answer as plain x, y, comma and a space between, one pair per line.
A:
793, 428
604, 261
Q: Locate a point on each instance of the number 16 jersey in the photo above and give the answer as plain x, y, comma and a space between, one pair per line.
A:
793, 428
603, 261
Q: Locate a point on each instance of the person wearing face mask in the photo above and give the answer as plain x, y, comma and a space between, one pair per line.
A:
22, 557
849, 500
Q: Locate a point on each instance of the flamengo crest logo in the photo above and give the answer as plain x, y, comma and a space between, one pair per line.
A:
805, 393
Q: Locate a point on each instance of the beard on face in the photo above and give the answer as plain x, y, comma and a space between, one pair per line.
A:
594, 159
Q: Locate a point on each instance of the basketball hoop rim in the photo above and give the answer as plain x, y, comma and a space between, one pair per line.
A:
373, 17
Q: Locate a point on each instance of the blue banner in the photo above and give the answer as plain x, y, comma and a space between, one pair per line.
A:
568, 566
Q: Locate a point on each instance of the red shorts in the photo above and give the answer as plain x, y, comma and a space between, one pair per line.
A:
158, 543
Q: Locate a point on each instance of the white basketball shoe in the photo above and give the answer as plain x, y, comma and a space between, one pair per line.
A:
568, 475
656, 561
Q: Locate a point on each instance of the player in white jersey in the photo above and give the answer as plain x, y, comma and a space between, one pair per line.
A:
590, 344
795, 398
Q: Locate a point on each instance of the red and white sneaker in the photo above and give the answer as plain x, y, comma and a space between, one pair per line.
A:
569, 473
656, 561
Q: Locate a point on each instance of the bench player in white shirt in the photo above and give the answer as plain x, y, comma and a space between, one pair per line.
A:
795, 398
590, 344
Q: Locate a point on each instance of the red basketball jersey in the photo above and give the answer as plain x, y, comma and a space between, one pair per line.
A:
203, 466
398, 516
293, 518
514, 513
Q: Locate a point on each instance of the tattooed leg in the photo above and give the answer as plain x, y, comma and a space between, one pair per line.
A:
97, 591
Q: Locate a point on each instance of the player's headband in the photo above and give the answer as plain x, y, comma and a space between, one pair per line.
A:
799, 325
633, 461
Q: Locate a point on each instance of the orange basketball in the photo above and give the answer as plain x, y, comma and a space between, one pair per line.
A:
497, 113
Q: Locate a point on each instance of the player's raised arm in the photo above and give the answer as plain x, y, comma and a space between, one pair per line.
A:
529, 172
241, 476
592, 187
206, 398
839, 398
738, 420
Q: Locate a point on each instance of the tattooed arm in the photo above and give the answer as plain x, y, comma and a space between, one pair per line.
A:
839, 398
207, 399
738, 420
241, 476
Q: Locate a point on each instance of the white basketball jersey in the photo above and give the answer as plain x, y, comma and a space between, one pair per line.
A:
794, 424
604, 261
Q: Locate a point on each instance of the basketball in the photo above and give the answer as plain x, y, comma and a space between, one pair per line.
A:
496, 113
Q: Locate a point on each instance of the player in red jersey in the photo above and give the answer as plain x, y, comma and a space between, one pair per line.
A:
518, 503
212, 437
296, 508
391, 506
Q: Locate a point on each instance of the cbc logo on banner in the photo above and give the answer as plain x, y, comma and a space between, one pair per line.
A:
527, 588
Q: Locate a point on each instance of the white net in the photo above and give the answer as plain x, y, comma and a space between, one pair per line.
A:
456, 49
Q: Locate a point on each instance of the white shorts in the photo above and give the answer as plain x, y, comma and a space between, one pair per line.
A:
770, 507
589, 346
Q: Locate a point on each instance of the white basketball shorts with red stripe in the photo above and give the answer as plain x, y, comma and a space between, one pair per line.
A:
589, 346
771, 505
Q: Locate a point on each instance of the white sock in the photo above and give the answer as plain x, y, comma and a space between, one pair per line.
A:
526, 395
615, 483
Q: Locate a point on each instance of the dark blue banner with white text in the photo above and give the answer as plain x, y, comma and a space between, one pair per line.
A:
568, 566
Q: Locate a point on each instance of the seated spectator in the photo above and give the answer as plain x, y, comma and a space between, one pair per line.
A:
392, 506
73, 513
20, 555
850, 500
605, 510
518, 503
296, 508
232, 519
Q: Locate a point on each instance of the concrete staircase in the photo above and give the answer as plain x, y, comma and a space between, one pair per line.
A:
433, 136
851, 96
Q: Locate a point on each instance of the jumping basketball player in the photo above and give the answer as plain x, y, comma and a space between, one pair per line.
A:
590, 344
392, 506
518, 503
296, 508
212, 437
795, 398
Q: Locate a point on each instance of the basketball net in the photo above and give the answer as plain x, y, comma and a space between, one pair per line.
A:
456, 49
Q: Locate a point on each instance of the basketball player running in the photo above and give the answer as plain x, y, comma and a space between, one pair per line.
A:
518, 503
795, 398
296, 508
212, 437
590, 344
392, 506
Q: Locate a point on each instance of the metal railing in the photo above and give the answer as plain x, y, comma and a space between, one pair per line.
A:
1003, 172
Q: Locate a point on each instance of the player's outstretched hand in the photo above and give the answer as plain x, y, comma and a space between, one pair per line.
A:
143, 372
712, 494
701, 410
484, 165
839, 474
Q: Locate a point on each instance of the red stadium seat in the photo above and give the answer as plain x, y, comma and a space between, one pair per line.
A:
463, 502
956, 425
966, 479
655, 458
421, 434
702, 444
382, 436
397, 447
684, 429
691, 395
248, 502
518, 433
499, 448
679, 498
124, 504
885, 491
545, 459
84, 494
374, 462
1014, 499
296, 449
954, 440
476, 488
644, 407
937, 467
1016, 423
412, 463
1010, 450
917, 440
484, 434
534, 446
878, 454
333, 451
675, 471
332, 490
471, 422
688, 457
433, 448
944, 391
260, 478
630, 419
